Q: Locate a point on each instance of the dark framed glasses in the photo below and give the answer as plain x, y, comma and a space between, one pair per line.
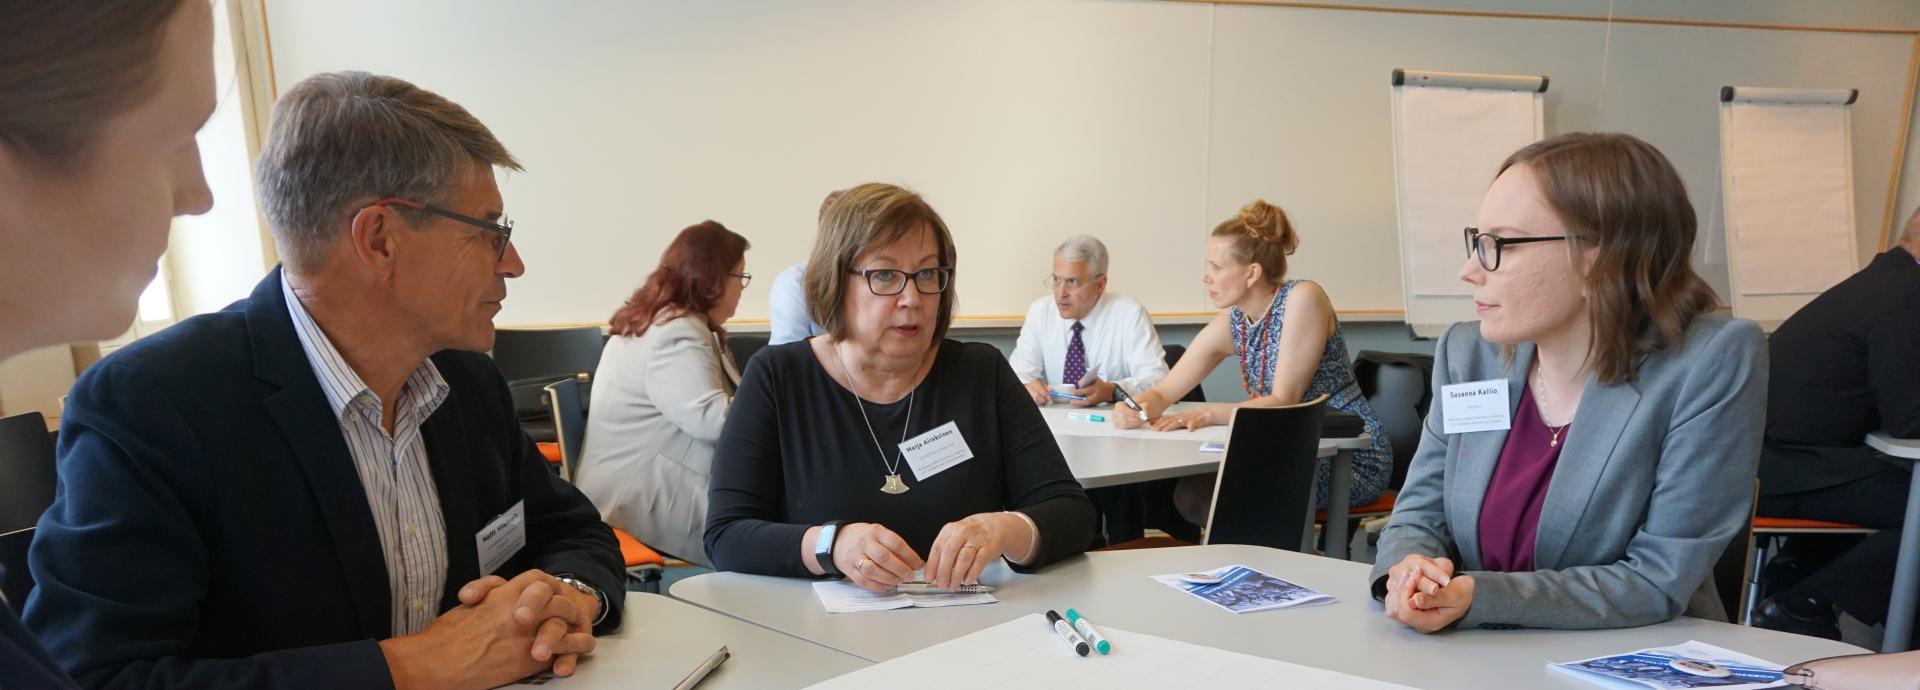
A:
745, 279
1487, 248
502, 230
887, 282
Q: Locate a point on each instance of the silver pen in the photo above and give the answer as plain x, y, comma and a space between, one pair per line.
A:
700, 674
921, 587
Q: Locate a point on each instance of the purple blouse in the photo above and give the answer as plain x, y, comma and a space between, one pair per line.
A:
1510, 513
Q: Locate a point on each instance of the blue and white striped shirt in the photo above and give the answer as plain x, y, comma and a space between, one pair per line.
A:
393, 469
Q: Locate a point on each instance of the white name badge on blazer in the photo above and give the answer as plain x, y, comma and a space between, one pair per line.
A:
1475, 406
502, 538
933, 452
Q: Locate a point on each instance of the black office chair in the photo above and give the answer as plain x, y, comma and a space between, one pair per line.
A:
26, 471
743, 346
532, 358
1174, 352
1398, 386
1264, 492
18, 582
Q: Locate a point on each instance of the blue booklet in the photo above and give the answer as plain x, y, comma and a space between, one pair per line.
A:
1685, 666
1240, 589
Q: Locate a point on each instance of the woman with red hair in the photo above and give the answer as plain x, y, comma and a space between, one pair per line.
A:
662, 391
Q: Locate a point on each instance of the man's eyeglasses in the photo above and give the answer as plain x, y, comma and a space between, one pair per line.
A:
502, 230
1072, 284
1487, 247
887, 282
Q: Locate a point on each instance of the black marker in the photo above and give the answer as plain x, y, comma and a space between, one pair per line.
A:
1066, 633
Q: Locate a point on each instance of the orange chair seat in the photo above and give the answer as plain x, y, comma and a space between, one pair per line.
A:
636, 553
551, 451
1383, 504
1766, 523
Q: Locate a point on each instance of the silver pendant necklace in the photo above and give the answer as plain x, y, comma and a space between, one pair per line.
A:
1541, 405
893, 485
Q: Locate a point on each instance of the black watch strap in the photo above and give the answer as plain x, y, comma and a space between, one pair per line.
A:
823, 552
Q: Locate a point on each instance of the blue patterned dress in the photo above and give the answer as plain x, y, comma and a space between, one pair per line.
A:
1259, 346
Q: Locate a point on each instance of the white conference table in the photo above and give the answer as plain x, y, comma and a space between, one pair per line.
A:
761, 658
1351, 636
1101, 455
1906, 572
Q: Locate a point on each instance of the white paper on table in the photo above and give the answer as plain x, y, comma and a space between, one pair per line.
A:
841, 596
1061, 425
1025, 653
1452, 141
1650, 668
1243, 590
1790, 197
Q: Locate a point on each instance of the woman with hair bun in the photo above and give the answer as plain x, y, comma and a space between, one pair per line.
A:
1289, 345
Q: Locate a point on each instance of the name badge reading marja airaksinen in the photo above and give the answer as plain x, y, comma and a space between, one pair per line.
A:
1475, 406
933, 452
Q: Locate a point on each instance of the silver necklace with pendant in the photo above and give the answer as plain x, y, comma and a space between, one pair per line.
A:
1555, 443
893, 485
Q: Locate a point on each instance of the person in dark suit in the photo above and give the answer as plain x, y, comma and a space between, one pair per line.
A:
1845, 365
97, 154
324, 485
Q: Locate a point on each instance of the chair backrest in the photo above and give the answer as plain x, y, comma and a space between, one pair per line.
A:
26, 470
1263, 494
569, 422
1399, 388
18, 581
743, 346
547, 352
1174, 352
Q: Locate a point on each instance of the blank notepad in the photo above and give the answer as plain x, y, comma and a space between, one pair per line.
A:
1025, 653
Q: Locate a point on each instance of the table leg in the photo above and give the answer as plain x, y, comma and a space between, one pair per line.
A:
1906, 576
1339, 492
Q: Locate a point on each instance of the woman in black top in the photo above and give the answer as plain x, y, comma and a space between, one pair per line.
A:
810, 478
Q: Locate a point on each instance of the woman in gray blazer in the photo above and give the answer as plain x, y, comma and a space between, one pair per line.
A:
1614, 454
662, 391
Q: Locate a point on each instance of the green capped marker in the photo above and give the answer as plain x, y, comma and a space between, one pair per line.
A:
1085, 628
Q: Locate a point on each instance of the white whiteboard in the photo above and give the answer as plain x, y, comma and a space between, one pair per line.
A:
1788, 184
1448, 143
1022, 121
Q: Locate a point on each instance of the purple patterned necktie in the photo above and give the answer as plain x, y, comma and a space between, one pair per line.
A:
1076, 358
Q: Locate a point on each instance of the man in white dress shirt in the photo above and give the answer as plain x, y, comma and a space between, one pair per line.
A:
1084, 339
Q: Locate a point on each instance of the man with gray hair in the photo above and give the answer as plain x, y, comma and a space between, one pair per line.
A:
1080, 342
1845, 365
324, 485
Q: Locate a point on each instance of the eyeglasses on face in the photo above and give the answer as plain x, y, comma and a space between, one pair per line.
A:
745, 278
1487, 247
502, 230
1072, 284
887, 282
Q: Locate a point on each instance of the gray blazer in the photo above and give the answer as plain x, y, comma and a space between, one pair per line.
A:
659, 401
1656, 476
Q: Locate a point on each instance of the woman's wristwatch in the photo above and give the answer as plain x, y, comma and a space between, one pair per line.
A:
823, 547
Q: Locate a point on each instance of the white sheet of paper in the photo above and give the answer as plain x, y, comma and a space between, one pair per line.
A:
1475, 406
1061, 423
1025, 653
841, 596
503, 537
1451, 143
933, 452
